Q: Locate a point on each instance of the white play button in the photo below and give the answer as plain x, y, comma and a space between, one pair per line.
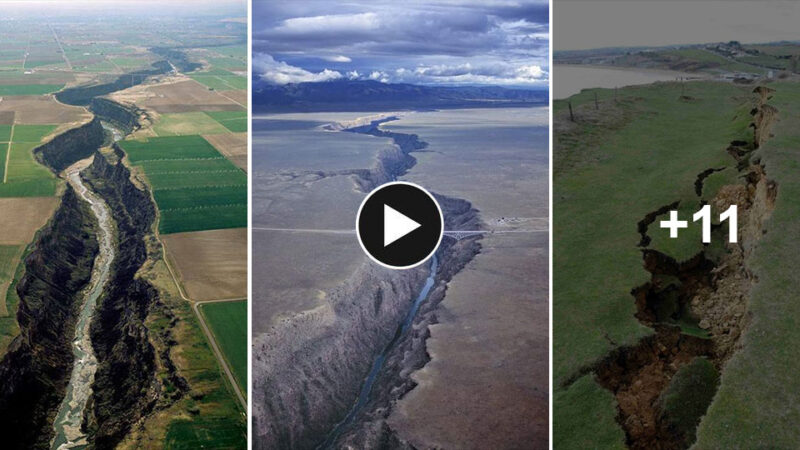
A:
399, 225
396, 225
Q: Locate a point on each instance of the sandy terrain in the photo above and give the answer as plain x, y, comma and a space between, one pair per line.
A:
212, 264
42, 110
23, 216
487, 383
232, 145
239, 96
176, 94
307, 267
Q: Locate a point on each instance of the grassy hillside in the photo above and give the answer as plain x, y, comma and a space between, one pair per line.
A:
756, 405
225, 320
614, 165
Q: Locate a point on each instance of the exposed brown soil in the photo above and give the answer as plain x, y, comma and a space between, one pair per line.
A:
211, 264
29, 214
709, 290
42, 110
232, 145
648, 219
637, 376
174, 95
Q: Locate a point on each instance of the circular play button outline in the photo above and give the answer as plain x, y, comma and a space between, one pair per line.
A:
393, 211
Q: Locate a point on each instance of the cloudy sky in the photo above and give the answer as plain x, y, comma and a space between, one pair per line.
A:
446, 42
596, 24
177, 8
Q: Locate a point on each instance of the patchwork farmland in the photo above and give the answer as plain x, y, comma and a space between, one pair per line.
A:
203, 191
49, 75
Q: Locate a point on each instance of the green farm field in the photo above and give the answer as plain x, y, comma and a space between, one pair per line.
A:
190, 123
217, 433
234, 121
5, 133
21, 175
220, 80
195, 187
29, 89
227, 321
615, 167
169, 148
32, 133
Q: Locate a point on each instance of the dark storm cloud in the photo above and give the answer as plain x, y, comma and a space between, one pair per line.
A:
387, 37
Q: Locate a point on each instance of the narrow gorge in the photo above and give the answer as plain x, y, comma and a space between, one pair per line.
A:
83, 370
328, 377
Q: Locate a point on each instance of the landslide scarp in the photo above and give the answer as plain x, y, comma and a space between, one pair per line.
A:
36, 369
697, 308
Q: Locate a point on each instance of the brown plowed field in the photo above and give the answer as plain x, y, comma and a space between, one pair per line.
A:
211, 264
21, 218
232, 145
41, 110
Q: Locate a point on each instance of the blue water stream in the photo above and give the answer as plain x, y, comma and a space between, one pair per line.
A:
377, 365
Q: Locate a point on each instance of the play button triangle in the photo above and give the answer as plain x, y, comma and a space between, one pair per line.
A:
396, 225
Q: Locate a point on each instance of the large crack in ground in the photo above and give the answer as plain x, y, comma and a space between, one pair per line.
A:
698, 310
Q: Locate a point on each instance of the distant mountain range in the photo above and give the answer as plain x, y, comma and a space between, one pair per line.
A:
368, 95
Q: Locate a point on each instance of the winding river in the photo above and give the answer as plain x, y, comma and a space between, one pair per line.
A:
366, 388
67, 425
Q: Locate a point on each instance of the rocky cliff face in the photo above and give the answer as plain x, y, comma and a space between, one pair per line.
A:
123, 117
126, 387
36, 369
309, 369
71, 146
83, 95
409, 353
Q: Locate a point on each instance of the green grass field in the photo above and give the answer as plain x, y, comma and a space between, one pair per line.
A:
210, 416
29, 89
228, 63
32, 133
22, 166
756, 403
181, 124
3, 154
8, 261
228, 322
24, 176
5, 133
233, 51
235, 121
216, 433
220, 80
612, 168
10, 270
717, 61
169, 148
194, 186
